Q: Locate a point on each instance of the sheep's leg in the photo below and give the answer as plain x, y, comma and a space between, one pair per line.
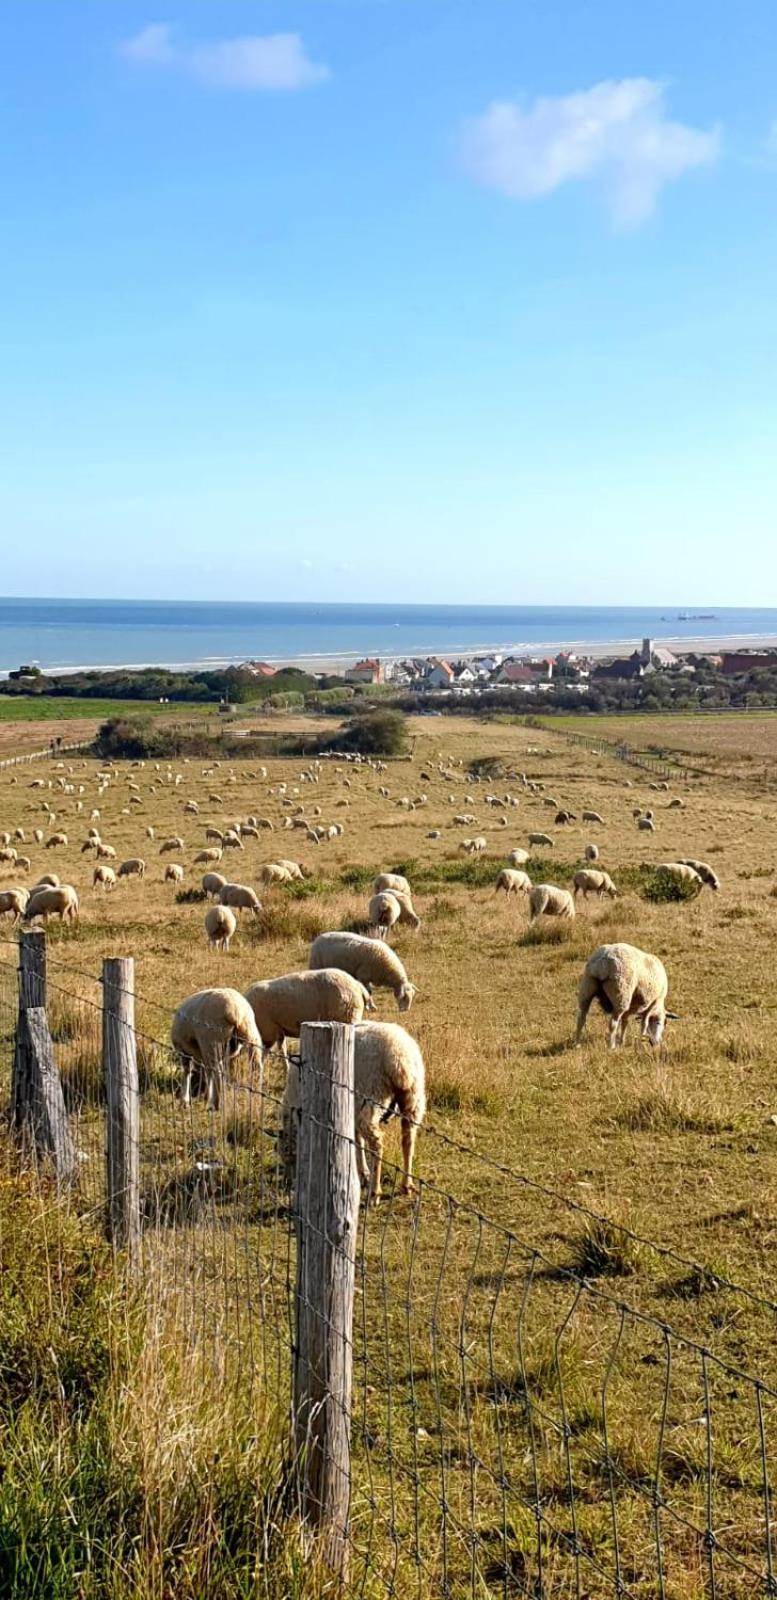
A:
186, 1085
583, 1008
374, 1141
618, 1028
362, 1166
409, 1131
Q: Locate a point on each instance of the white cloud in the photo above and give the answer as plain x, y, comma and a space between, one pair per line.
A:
616, 132
256, 61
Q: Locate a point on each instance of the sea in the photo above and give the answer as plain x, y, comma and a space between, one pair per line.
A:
65, 635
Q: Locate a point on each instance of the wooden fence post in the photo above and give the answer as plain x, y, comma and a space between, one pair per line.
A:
38, 1112
120, 1065
327, 1213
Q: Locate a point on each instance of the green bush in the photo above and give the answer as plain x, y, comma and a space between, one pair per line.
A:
662, 887
377, 733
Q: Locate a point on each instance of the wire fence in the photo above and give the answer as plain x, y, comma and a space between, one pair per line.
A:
517, 1418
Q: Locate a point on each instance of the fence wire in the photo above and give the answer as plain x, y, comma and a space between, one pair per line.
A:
522, 1421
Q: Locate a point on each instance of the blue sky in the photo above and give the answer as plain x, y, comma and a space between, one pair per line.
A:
390, 299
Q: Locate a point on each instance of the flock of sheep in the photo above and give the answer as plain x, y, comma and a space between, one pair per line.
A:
216, 1024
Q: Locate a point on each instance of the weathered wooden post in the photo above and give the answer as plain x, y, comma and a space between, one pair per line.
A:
327, 1212
38, 1112
120, 1064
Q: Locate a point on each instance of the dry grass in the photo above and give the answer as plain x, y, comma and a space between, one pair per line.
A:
681, 1143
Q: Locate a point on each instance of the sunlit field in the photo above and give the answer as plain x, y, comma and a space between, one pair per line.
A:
679, 1145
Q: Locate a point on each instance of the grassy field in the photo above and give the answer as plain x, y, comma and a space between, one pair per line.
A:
143, 1451
725, 736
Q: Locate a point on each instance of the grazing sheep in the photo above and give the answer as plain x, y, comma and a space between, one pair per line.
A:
220, 924
49, 880
202, 857
676, 805
191, 809
13, 903
232, 840
170, 847
382, 913
103, 878
513, 882
646, 824
389, 1076
517, 858
272, 872
241, 897
37, 834
591, 852
7, 855
563, 817
295, 871
703, 868
543, 839
135, 867
281, 1005
209, 1030
61, 902
627, 982
390, 881
56, 840
404, 907
598, 883
212, 883
22, 864
173, 873
149, 833
474, 847
374, 963
105, 852
546, 900
681, 872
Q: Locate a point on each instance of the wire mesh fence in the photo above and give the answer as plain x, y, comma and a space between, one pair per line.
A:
510, 1414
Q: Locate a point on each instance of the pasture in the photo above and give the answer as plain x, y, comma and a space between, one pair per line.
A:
678, 1145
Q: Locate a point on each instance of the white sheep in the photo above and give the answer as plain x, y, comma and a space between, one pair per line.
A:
170, 847
56, 841
511, 881
591, 852
48, 880
374, 963
22, 864
173, 873
627, 982
273, 873
703, 868
646, 824
543, 839
220, 924
135, 867
103, 878
212, 883
13, 903
61, 902
209, 1030
105, 852
389, 1075
681, 872
390, 881
241, 897
592, 816
213, 853
546, 900
281, 1005
517, 858
598, 883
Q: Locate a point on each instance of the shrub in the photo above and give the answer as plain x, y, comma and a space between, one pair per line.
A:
377, 733
662, 887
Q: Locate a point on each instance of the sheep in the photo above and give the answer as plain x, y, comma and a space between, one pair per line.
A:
382, 913
546, 900
18, 834
56, 840
232, 840
404, 909
191, 808
173, 873
592, 816
627, 982
13, 903
212, 883
7, 855
241, 897
676, 805
591, 852
210, 1029
272, 872
149, 833
374, 964
681, 872
170, 847
61, 902
294, 870
281, 1005
389, 1075
474, 847
513, 882
204, 856
543, 839
49, 880
37, 834
22, 864
103, 878
646, 824
390, 881
599, 883
105, 852
703, 868
220, 924
135, 867
517, 858
563, 817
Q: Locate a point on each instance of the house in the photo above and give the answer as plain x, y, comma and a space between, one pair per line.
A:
519, 673
259, 669
630, 667
464, 673
488, 664
370, 670
736, 661
440, 674
657, 656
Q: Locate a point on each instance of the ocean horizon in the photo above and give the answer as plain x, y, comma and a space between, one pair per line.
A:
68, 635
